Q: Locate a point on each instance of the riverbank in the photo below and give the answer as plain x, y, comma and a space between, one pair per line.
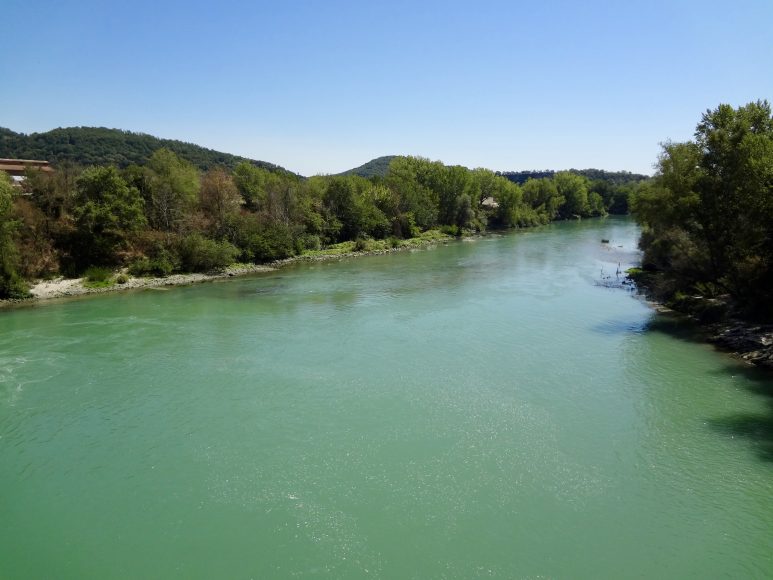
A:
66, 287
717, 318
70, 287
751, 342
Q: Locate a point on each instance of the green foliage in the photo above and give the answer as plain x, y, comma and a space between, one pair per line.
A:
351, 207
98, 274
574, 190
200, 254
307, 242
614, 196
543, 197
708, 213
160, 214
157, 266
11, 284
173, 186
98, 277
410, 178
32, 234
259, 241
596, 204
252, 183
219, 198
378, 167
614, 178
107, 212
362, 245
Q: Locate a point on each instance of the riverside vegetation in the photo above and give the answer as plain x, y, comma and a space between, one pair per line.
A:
170, 216
708, 212
707, 219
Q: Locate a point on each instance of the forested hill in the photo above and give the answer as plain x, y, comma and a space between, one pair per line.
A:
613, 177
377, 167
102, 146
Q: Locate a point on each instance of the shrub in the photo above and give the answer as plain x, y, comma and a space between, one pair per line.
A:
98, 274
11, 285
160, 267
265, 242
307, 242
362, 245
200, 254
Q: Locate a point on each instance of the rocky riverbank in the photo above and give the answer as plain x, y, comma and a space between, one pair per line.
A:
751, 342
717, 316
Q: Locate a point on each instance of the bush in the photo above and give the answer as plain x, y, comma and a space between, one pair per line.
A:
98, 274
362, 245
200, 254
307, 242
160, 267
11, 285
265, 243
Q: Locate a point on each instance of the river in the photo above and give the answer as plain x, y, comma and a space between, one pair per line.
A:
483, 409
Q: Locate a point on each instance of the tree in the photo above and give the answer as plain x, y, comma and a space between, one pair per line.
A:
408, 177
11, 285
218, 196
708, 213
107, 211
574, 189
542, 196
251, 184
173, 185
53, 192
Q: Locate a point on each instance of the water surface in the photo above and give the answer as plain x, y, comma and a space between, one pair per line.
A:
481, 409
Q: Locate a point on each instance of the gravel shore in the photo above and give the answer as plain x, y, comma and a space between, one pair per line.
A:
67, 287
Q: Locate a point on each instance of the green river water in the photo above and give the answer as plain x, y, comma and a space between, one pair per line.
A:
483, 409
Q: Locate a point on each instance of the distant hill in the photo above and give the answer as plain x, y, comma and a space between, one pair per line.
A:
375, 167
614, 177
380, 166
101, 146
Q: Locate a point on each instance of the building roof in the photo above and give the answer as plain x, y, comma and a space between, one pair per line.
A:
19, 166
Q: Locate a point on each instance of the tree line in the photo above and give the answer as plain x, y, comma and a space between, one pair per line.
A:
168, 216
707, 214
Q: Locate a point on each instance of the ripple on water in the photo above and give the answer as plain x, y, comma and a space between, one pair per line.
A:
478, 410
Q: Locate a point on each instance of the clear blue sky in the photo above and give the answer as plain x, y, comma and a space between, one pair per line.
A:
322, 86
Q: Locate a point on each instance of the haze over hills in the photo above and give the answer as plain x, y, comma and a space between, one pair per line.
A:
102, 146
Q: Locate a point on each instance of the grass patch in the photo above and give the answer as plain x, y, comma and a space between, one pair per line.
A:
96, 277
369, 245
98, 284
332, 250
